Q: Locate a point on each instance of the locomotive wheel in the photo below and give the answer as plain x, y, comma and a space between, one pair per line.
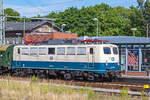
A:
67, 76
90, 78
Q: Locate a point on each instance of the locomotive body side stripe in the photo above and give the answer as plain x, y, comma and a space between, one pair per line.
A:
83, 66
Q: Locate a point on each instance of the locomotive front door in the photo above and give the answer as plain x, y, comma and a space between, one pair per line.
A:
91, 60
18, 57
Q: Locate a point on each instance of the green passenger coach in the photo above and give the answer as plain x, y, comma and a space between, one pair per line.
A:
6, 56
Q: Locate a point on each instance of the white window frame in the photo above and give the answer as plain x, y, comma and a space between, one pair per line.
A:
71, 51
61, 51
42, 51
80, 51
33, 51
25, 51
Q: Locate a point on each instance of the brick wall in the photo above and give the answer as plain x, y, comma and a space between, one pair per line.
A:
64, 36
136, 73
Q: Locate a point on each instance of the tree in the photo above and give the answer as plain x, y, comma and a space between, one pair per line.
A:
112, 21
11, 12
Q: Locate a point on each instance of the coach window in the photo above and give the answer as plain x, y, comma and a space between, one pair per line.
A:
33, 51
51, 50
107, 50
81, 51
42, 51
61, 51
71, 50
25, 51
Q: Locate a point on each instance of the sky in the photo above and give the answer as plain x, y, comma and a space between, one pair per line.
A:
30, 8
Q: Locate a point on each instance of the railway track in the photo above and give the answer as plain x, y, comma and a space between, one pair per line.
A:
111, 87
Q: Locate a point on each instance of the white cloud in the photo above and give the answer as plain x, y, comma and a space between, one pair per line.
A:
60, 5
44, 8
30, 11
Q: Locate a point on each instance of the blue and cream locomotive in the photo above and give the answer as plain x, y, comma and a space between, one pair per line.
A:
69, 61
88, 61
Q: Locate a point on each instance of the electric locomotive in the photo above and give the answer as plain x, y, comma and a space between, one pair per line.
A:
68, 61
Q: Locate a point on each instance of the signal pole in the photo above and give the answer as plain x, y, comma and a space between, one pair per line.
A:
1, 22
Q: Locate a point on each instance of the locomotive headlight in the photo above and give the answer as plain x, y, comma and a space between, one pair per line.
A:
113, 59
106, 63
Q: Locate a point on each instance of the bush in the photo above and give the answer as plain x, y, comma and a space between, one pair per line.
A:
34, 79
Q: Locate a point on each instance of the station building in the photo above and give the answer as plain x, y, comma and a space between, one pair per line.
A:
36, 31
134, 53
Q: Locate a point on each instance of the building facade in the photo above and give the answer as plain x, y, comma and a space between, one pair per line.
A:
15, 31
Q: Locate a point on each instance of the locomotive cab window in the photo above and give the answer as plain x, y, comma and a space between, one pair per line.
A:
115, 50
91, 51
107, 50
51, 51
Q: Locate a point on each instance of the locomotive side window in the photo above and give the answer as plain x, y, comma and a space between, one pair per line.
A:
18, 50
33, 51
42, 51
61, 51
107, 50
81, 51
25, 51
51, 50
91, 51
115, 50
71, 50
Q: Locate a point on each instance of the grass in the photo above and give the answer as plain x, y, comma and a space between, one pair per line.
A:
34, 90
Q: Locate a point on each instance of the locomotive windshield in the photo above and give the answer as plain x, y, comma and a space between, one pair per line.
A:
115, 50
107, 50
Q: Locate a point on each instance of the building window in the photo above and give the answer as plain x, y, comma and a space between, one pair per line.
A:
33, 51
42, 51
81, 51
25, 51
13, 40
51, 50
71, 50
17, 40
7, 40
22, 40
61, 51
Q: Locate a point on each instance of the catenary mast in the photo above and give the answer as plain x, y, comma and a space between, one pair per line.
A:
2, 36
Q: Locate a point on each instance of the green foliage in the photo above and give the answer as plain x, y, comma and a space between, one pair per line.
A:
144, 96
112, 21
11, 12
124, 93
92, 95
34, 79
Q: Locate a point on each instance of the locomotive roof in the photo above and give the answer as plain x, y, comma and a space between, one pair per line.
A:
68, 45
